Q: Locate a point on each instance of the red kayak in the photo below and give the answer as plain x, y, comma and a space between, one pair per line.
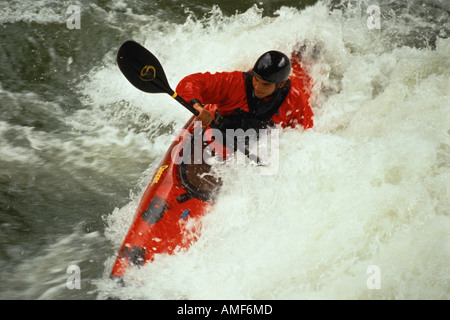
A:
182, 188
175, 195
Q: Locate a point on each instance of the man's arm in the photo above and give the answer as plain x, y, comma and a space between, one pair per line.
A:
206, 88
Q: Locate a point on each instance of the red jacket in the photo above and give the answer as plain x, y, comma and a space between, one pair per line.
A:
226, 91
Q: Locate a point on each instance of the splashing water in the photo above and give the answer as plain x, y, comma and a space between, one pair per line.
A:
366, 189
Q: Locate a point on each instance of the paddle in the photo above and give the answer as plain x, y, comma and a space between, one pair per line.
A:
144, 71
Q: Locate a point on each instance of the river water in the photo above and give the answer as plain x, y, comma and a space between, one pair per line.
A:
357, 209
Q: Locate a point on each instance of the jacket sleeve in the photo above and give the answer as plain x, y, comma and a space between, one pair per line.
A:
206, 87
298, 114
306, 115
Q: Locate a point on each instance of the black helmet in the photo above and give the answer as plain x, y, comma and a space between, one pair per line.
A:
273, 66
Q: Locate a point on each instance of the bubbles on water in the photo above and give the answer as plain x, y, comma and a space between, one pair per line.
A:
366, 186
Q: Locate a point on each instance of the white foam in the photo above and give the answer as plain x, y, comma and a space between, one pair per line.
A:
368, 185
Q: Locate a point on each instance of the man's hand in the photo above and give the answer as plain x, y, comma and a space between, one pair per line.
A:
205, 116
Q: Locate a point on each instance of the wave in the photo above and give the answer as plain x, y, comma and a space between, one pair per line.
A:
365, 187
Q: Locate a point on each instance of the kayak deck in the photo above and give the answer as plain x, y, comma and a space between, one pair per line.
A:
176, 194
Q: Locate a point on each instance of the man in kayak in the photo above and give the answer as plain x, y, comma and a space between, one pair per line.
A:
257, 99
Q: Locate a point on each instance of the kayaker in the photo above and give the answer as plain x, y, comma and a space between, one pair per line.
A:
260, 98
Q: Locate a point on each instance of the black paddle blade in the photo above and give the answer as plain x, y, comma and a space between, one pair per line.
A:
142, 68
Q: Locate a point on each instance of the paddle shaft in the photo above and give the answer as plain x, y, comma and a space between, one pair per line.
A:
145, 72
245, 150
184, 103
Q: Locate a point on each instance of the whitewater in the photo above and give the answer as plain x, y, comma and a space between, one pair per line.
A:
358, 207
